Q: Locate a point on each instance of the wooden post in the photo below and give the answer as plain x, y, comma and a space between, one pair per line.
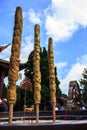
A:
10, 112
54, 113
37, 113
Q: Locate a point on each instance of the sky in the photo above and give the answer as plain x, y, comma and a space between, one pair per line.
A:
64, 21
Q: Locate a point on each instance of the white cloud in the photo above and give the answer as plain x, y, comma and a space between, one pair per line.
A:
61, 68
22, 77
19, 80
75, 73
34, 17
82, 59
64, 18
61, 65
27, 47
5, 54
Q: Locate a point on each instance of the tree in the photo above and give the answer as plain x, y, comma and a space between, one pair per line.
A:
27, 97
20, 99
4, 91
45, 91
83, 83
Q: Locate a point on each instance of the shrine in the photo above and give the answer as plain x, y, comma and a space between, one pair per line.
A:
74, 95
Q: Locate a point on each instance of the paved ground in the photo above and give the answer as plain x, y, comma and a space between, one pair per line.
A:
31, 122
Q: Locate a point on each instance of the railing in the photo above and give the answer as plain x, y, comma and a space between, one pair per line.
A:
60, 115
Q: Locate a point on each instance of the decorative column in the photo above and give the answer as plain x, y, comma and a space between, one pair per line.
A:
52, 83
14, 60
36, 70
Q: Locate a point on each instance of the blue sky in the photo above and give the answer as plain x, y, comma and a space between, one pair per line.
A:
65, 22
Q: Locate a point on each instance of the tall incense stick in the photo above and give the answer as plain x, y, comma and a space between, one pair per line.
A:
14, 60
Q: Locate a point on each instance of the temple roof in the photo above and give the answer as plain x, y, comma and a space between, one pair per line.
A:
4, 66
4, 47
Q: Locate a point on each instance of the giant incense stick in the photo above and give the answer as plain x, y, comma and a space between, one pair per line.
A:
14, 61
36, 70
52, 75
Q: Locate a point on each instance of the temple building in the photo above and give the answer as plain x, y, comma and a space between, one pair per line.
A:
4, 68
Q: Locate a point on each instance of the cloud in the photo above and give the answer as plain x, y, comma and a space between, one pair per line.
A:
75, 73
27, 47
61, 65
21, 77
21, 74
82, 60
33, 16
61, 69
61, 19
64, 18
5, 54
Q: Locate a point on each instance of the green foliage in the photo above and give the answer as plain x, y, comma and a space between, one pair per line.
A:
4, 91
27, 97
24, 97
83, 83
20, 99
45, 92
